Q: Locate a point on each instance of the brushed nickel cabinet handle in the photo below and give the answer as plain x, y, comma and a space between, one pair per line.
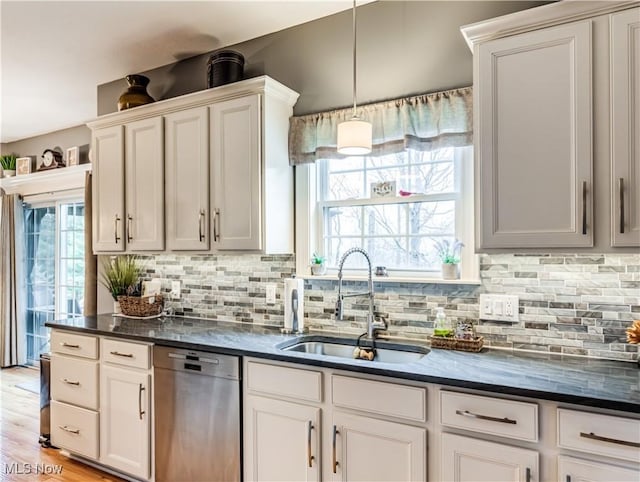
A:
69, 382
129, 219
117, 353
584, 207
200, 227
467, 413
216, 227
621, 190
600, 438
527, 474
309, 456
140, 411
69, 345
568, 478
335, 455
70, 430
115, 229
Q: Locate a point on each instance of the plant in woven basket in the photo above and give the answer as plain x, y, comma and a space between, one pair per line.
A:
633, 333
121, 275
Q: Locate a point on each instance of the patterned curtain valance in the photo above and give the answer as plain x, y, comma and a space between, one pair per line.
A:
424, 122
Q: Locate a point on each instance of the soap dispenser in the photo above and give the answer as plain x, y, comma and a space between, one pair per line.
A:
442, 327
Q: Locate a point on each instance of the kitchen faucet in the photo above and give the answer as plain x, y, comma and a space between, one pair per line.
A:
372, 325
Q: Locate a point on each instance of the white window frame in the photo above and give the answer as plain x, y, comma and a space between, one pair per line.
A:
309, 224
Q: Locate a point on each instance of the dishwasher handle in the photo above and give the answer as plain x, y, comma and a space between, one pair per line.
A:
196, 362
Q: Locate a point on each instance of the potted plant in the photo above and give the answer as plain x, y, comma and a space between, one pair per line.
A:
120, 275
449, 254
8, 164
318, 266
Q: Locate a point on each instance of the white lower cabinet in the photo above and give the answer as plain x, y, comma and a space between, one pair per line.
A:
577, 470
466, 459
125, 429
283, 441
368, 449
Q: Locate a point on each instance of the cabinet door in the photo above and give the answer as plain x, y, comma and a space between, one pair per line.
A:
625, 125
466, 459
236, 174
125, 436
144, 175
282, 441
533, 123
577, 470
187, 179
368, 449
108, 189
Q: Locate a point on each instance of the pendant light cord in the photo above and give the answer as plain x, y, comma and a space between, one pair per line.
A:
354, 59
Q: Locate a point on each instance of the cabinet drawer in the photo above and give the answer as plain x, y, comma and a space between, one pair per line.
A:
74, 429
495, 416
599, 434
379, 397
135, 355
74, 381
284, 381
76, 345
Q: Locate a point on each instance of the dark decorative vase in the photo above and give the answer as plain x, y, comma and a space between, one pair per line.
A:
136, 94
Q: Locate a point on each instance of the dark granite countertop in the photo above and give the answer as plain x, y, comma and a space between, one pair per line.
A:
591, 382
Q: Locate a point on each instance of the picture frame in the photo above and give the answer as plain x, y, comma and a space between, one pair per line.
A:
73, 156
23, 166
383, 189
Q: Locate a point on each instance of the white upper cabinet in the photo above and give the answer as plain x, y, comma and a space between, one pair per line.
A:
533, 129
144, 185
556, 101
212, 166
187, 179
236, 175
108, 189
625, 127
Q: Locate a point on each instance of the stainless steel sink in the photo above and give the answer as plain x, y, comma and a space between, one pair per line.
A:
343, 348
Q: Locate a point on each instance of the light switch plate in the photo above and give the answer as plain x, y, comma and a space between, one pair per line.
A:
271, 293
175, 290
499, 307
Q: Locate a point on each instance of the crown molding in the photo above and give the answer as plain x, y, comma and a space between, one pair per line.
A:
54, 180
540, 17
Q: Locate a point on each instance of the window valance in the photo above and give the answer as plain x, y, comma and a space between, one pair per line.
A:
424, 122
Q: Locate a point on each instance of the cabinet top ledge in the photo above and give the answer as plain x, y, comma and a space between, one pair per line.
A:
256, 85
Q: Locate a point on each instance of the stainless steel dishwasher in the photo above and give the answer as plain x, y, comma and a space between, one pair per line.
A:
197, 416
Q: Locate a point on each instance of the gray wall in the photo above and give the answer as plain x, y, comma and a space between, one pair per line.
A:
34, 146
404, 48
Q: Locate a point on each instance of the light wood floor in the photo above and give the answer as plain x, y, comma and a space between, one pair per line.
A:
19, 431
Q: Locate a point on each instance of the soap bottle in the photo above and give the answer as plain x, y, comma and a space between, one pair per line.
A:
442, 327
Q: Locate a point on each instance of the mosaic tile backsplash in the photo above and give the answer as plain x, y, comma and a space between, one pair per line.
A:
573, 304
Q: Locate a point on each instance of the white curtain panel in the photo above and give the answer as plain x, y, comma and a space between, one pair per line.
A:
424, 123
13, 341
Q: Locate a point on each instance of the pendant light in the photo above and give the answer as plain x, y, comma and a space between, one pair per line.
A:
354, 135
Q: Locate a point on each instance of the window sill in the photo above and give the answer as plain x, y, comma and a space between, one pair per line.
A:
393, 279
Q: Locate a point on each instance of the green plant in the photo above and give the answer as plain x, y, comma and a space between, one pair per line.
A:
317, 259
449, 252
120, 275
8, 162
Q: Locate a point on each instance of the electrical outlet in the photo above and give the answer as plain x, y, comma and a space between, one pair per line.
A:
271, 293
499, 307
175, 290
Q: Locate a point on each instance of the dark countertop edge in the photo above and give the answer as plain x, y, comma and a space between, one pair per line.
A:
501, 389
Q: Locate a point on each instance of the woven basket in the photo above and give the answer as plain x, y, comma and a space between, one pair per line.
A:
451, 343
141, 306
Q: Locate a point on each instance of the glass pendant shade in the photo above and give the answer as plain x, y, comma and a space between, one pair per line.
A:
354, 137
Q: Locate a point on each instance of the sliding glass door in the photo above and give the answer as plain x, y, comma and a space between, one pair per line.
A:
55, 268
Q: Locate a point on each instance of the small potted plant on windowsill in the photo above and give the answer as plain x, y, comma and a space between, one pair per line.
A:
449, 254
8, 164
318, 266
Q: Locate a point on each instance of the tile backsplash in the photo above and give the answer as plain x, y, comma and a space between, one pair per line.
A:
568, 303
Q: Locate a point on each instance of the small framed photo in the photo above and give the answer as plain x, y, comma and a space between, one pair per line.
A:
23, 165
73, 156
383, 189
